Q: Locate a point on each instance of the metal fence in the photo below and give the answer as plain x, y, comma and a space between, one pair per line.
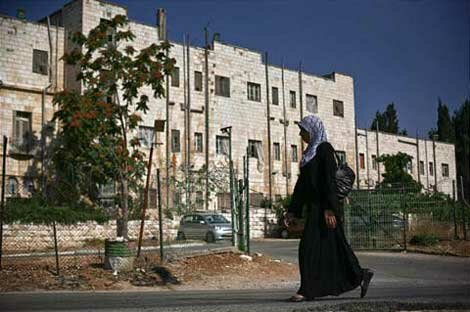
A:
392, 218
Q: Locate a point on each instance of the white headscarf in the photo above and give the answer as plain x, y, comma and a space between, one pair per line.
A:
314, 126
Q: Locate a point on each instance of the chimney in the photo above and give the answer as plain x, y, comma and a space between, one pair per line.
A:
161, 24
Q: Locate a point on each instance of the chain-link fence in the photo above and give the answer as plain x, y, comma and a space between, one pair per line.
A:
393, 218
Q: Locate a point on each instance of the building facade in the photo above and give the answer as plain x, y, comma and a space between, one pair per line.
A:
262, 104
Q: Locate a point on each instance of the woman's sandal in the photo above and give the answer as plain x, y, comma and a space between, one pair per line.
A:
298, 298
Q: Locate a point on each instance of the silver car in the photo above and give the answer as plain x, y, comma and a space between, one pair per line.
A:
204, 225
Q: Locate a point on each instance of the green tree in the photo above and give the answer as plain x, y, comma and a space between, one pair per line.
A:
461, 121
445, 127
395, 171
95, 138
387, 121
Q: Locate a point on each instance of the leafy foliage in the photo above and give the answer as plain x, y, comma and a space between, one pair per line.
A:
395, 171
94, 138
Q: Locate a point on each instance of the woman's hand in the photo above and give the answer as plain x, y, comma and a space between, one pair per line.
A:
330, 219
289, 219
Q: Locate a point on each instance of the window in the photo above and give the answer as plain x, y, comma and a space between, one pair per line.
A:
292, 99
222, 86
277, 151
197, 81
12, 187
146, 136
362, 162
275, 93
409, 167
338, 108
342, 157
445, 170
254, 149
311, 102
22, 139
175, 141
295, 157
374, 162
198, 142
254, 91
421, 167
431, 168
40, 62
110, 32
222, 145
175, 77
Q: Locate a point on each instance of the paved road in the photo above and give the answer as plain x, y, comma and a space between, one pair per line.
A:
400, 277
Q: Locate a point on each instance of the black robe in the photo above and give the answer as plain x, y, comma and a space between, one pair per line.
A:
327, 263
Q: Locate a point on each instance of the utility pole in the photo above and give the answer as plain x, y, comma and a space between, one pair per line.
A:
270, 169
206, 111
228, 131
434, 136
285, 130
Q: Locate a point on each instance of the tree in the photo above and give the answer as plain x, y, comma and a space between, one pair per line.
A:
395, 171
461, 121
387, 121
95, 138
445, 127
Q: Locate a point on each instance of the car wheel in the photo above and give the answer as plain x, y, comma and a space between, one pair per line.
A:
285, 234
180, 236
210, 238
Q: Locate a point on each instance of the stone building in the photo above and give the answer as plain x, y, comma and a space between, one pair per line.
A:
260, 101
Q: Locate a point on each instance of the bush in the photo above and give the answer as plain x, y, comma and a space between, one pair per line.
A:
424, 240
36, 210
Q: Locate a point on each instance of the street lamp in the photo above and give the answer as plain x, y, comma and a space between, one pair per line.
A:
228, 131
159, 126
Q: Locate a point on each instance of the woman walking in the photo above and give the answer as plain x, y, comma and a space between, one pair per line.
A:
327, 263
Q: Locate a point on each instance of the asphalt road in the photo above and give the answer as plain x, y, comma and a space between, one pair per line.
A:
408, 278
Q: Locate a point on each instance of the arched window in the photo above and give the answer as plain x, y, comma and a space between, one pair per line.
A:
12, 187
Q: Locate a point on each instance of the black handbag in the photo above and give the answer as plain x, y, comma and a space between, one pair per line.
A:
344, 179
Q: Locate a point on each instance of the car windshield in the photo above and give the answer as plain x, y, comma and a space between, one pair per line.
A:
216, 219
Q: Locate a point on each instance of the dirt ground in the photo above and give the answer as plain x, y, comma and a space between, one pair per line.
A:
215, 271
451, 248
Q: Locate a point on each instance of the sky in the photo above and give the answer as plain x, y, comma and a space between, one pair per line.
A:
409, 52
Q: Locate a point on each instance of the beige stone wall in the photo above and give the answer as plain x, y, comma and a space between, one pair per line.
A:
18, 39
392, 144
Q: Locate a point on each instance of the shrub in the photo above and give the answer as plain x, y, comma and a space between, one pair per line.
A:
424, 240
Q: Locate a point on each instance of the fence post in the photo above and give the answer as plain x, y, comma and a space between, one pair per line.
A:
464, 219
454, 213
247, 213
160, 215
2, 208
405, 219
56, 249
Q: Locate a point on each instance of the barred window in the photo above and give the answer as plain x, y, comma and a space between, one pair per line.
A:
197, 81
198, 142
311, 103
374, 162
295, 157
277, 151
254, 91
222, 145
293, 102
175, 141
40, 62
421, 167
175, 77
338, 108
222, 86
275, 95
445, 170
146, 135
254, 149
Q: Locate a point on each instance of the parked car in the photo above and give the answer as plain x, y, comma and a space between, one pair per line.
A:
204, 225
